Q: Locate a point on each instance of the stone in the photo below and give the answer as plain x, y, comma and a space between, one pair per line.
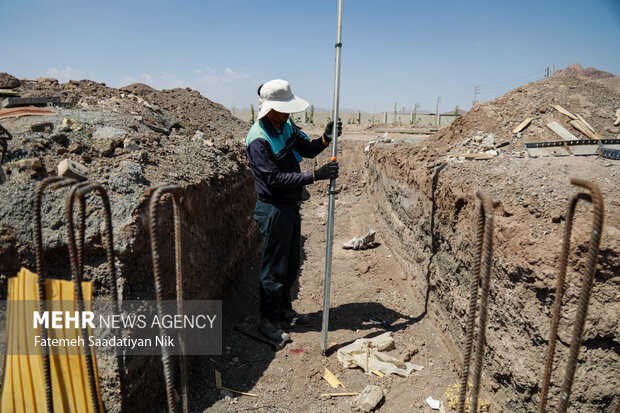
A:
199, 135
75, 147
47, 80
42, 127
369, 398
60, 138
133, 170
71, 169
24, 167
130, 144
8, 81
106, 132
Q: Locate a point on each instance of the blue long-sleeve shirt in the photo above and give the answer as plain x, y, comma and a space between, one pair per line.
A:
274, 157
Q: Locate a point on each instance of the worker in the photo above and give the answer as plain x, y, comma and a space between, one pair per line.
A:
275, 147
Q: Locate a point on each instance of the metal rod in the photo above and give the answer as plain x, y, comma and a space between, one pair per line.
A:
332, 188
586, 289
596, 198
559, 294
38, 245
482, 274
159, 193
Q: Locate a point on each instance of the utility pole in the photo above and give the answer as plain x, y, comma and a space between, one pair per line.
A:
437, 110
547, 73
476, 91
553, 73
415, 112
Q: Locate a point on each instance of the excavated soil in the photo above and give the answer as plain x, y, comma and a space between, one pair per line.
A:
420, 201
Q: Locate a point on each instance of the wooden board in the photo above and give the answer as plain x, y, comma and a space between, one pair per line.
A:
522, 125
472, 155
581, 127
563, 111
561, 131
585, 122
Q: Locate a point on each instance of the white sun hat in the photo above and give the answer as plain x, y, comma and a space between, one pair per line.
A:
276, 94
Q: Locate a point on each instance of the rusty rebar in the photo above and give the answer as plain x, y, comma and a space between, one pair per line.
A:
586, 288
481, 275
38, 246
596, 198
76, 253
559, 294
158, 194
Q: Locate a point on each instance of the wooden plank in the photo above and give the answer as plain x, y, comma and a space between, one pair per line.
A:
331, 379
339, 394
561, 131
8, 92
522, 125
413, 131
577, 124
564, 111
585, 122
472, 155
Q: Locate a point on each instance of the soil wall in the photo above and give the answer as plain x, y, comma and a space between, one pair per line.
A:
427, 208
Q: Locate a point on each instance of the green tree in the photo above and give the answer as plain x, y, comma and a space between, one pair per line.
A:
252, 114
456, 110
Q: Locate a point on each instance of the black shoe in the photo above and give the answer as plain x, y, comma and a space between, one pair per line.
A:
273, 333
290, 316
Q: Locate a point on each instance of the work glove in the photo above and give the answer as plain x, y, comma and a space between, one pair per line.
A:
327, 171
329, 128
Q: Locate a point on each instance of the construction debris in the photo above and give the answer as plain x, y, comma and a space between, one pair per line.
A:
361, 243
369, 398
72, 169
8, 92
368, 353
581, 127
564, 111
218, 385
12, 102
332, 379
561, 131
24, 167
617, 121
339, 394
27, 111
434, 404
522, 125
483, 155
585, 122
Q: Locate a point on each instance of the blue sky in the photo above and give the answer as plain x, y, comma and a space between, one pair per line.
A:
406, 52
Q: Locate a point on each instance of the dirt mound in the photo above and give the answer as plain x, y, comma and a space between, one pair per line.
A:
194, 110
128, 144
577, 70
588, 98
427, 199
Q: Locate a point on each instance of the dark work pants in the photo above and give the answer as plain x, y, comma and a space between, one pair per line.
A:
281, 229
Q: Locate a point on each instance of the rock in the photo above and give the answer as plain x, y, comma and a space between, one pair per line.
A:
24, 167
60, 138
199, 135
106, 132
72, 169
8, 81
75, 147
47, 80
130, 144
42, 127
368, 399
134, 171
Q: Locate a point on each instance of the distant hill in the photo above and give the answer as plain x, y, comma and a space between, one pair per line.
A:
577, 70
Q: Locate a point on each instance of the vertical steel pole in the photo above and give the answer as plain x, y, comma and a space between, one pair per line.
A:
332, 188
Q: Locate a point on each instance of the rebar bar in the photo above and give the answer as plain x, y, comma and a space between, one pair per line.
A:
559, 294
38, 246
158, 194
481, 275
78, 193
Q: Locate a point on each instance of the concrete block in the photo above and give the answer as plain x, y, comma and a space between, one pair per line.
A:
72, 169
369, 398
12, 102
